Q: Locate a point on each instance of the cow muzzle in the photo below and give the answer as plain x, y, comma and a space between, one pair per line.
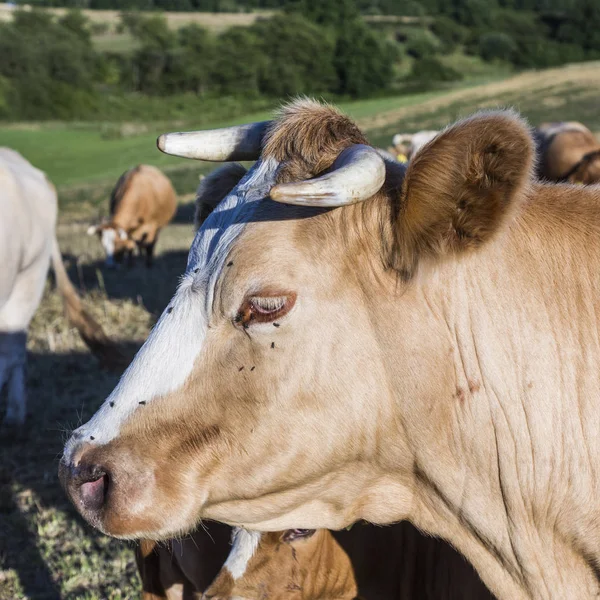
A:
87, 484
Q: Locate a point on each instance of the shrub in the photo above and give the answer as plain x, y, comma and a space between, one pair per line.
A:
298, 57
497, 46
450, 33
421, 45
362, 61
431, 70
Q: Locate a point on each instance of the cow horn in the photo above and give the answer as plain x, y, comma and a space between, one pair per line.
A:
241, 142
357, 173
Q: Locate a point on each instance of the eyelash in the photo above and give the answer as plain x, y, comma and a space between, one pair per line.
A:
264, 309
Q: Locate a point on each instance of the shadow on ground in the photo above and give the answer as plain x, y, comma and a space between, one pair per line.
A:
152, 287
62, 389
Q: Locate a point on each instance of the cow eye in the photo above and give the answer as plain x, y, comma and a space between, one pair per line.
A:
296, 534
264, 308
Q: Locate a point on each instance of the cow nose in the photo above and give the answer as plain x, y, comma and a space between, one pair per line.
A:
86, 483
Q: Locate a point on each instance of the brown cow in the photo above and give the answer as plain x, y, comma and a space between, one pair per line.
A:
380, 563
357, 340
142, 202
568, 152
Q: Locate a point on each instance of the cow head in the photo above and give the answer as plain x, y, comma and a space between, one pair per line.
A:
587, 170
114, 240
285, 565
278, 388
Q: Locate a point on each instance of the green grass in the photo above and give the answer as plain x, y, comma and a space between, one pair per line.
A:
76, 154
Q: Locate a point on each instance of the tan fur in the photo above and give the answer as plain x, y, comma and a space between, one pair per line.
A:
377, 563
214, 187
307, 137
142, 202
569, 152
462, 396
284, 569
440, 211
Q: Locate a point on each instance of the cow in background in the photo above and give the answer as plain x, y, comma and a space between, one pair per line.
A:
28, 211
406, 145
142, 202
377, 563
567, 152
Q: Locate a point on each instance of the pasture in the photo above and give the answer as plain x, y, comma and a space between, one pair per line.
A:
46, 551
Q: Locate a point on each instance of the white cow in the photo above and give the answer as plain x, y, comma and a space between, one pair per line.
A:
28, 209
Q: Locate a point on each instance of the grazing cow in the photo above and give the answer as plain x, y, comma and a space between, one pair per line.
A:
378, 563
406, 145
28, 209
141, 203
356, 339
568, 152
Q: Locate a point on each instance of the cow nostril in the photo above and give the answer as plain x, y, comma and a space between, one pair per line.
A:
93, 493
88, 485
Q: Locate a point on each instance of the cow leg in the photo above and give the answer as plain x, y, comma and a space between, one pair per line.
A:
15, 316
150, 253
147, 558
17, 399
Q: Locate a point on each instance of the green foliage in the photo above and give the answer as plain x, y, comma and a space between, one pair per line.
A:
298, 57
362, 61
449, 32
50, 69
238, 63
405, 8
497, 46
6, 96
332, 13
427, 71
421, 45
50, 65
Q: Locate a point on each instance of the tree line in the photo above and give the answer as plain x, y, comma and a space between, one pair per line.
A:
51, 69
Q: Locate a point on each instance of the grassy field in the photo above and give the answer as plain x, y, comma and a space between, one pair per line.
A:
46, 551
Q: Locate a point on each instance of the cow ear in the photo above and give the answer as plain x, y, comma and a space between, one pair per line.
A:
460, 189
215, 187
93, 230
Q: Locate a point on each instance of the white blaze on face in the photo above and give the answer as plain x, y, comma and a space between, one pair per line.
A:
167, 358
243, 548
108, 243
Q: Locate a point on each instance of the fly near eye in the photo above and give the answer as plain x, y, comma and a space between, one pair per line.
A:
267, 304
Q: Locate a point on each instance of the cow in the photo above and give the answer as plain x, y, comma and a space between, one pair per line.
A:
28, 205
378, 563
406, 145
355, 339
142, 202
568, 152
